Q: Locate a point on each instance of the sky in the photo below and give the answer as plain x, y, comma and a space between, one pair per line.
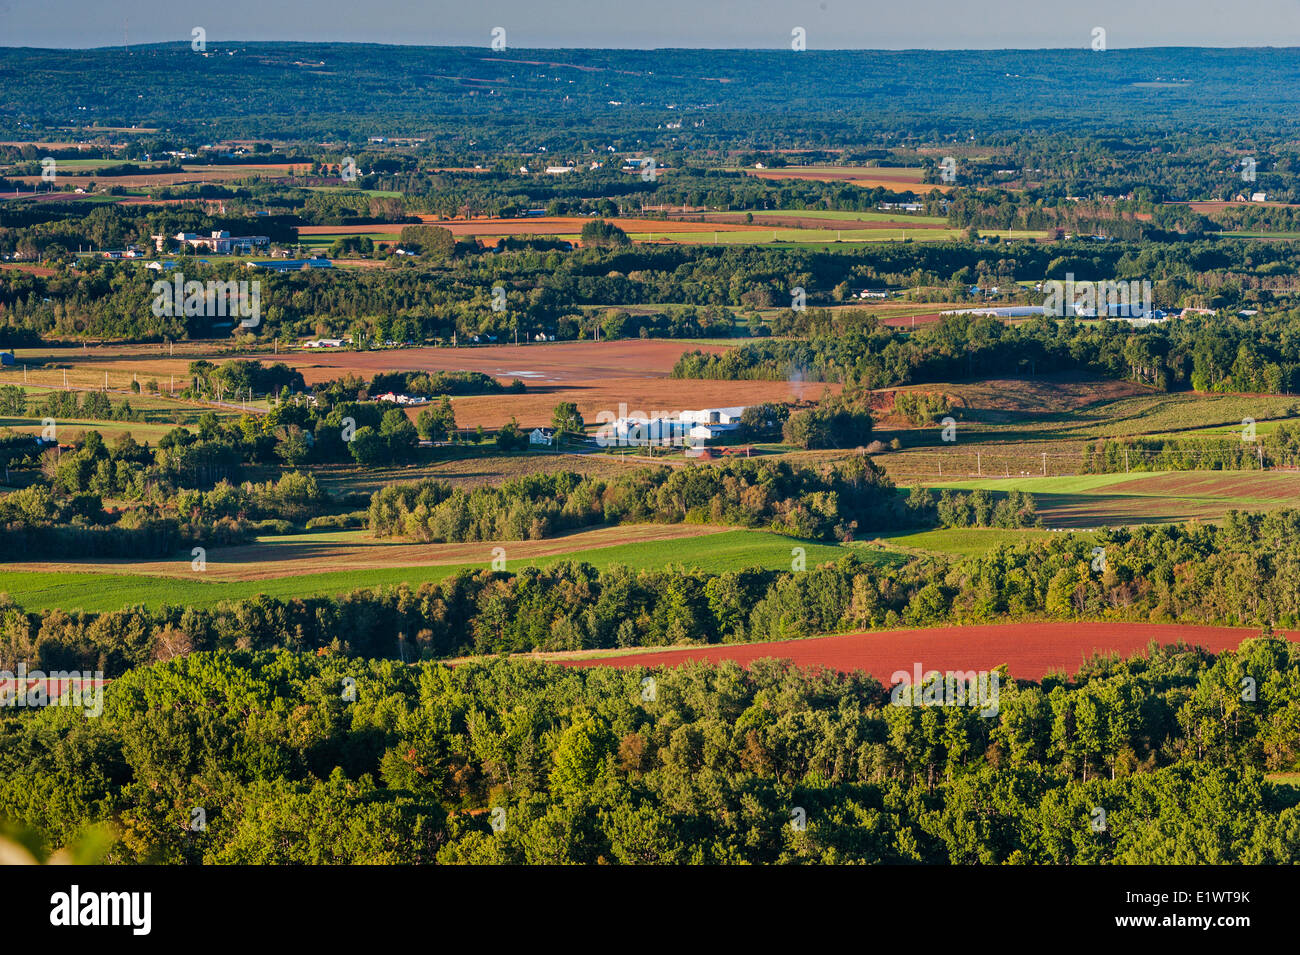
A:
647, 24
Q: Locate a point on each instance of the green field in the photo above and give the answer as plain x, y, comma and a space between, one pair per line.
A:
729, 550
960, 541
140, 430
839, 215
1144, 497
801, 237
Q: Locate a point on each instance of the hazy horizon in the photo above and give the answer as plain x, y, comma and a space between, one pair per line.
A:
665, 24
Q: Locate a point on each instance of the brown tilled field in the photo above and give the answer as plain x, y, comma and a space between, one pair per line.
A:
29, 267
598, 376
190, 174
868, 177
1029, 650
646, 395
343, 551
534, 225
1006, 400
469, 472
1171, 498
549, 362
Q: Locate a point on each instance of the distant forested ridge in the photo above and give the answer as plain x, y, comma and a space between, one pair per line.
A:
334, 90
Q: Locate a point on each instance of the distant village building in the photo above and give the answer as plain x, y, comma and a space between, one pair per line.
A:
684, 428
219, 243
544, 436
291, 265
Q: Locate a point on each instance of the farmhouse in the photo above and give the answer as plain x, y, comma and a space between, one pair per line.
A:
325, 343
541, 436
399, 399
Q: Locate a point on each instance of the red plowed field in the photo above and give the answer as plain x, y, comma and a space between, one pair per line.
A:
1030, 650
551, 362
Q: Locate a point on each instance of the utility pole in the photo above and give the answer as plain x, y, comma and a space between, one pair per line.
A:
1126, 460
1044, 464
979, 468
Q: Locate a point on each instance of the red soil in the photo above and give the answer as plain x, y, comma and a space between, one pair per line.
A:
549, 362
534, 225
1030, 650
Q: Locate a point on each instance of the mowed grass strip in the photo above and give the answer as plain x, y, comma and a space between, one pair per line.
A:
959, 541
714, 553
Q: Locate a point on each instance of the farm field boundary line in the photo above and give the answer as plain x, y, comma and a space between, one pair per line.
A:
37, 590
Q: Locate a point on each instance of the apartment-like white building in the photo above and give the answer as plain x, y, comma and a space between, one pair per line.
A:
682, 428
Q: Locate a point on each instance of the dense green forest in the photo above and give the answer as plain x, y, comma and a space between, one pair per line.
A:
826, 503
294, 758
1206, 354
623, 290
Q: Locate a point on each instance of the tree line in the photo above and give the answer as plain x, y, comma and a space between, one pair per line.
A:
306, 758
1244, 572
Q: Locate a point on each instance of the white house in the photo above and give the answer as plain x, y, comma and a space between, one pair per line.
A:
541, 436
399, 399
324, 343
